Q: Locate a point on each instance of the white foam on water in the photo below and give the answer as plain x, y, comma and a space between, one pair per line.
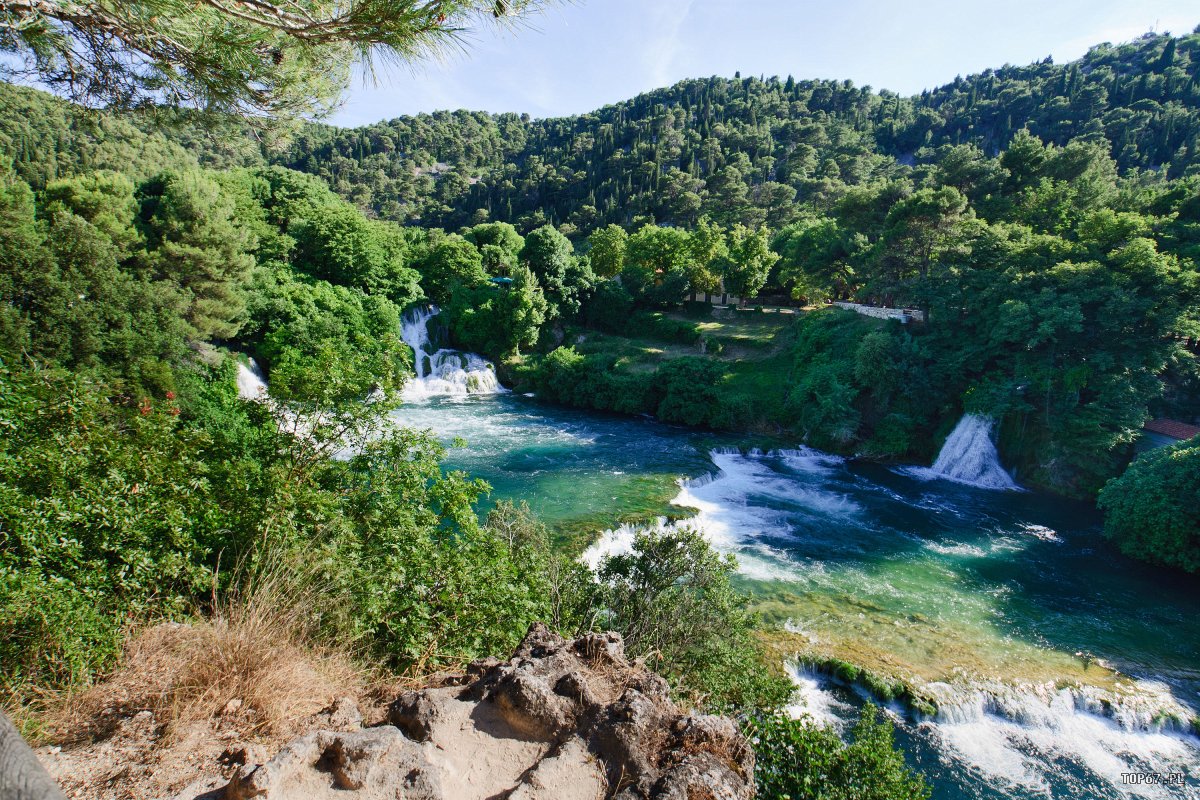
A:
445, 371
1021, 735
733, 524
1041, 532
812, 700
957, 549
740, 477
969, 456
805, 459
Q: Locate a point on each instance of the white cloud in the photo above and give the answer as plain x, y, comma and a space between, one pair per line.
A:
664, 21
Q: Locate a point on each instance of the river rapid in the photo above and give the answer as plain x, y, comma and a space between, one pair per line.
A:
1056, 665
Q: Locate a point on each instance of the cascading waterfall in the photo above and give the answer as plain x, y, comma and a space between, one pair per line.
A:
969, 456
444, 371
251, 384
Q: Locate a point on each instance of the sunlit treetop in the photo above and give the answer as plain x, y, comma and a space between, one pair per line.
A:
285, 58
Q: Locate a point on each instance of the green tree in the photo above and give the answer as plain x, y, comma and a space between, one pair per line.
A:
749, 261
342, 246
105, 199
817, 259
453, 262
607, 250
565, 279
920, 234
498, 321
1152, 511
195, 241
658, 262
708, 252
262, 56
499, 244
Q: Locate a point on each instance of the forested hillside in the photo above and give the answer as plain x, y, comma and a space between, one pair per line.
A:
749, 150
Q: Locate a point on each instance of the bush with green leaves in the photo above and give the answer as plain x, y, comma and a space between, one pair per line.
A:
798, 759
429, 586
113, 513
671, 598
690, 389
108, 513
1152, 511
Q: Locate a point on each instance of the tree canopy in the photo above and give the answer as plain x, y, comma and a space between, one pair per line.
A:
263, 56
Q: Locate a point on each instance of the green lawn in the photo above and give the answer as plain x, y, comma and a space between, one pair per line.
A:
732, 337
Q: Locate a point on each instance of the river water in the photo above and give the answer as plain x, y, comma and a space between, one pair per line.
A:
1005, 607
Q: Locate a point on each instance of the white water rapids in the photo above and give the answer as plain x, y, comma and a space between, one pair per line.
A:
443, 371
1023, 738
251, 384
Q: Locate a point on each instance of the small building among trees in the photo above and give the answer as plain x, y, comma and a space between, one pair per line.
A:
1165, 432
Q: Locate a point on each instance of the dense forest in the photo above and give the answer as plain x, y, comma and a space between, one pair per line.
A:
1044, 221
1044, 218
750, 150
753, 150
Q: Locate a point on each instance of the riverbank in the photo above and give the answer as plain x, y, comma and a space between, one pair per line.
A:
844, 383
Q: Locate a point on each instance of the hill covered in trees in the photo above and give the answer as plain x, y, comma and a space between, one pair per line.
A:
754, 150
751, 150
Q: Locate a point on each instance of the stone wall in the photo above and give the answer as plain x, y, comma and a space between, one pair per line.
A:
905, 315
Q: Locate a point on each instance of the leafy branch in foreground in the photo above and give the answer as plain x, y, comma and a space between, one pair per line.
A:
281, 57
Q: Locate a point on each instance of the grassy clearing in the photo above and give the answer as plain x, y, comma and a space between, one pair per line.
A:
744, 334
632, 354
732, 336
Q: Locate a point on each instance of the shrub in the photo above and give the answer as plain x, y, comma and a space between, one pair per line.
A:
800, 760
106, 513
690, 390
1152, 511
671, 597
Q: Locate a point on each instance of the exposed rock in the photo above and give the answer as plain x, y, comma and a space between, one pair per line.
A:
560, 720
242, 754
343, 715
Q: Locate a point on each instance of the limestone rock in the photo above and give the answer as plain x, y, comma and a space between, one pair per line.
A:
560, 720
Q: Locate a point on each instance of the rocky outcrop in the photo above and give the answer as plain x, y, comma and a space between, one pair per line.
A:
560, 720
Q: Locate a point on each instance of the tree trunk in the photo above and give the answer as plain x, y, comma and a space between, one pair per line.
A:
22, 777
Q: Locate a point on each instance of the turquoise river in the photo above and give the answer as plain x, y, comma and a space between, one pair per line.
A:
1059, 668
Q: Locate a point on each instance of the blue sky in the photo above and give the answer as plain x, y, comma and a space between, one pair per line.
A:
580, 55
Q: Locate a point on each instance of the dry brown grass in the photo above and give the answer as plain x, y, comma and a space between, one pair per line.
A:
254, 662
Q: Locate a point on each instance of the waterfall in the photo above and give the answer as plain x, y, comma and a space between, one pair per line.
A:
970, 457
444, 371
250, 382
